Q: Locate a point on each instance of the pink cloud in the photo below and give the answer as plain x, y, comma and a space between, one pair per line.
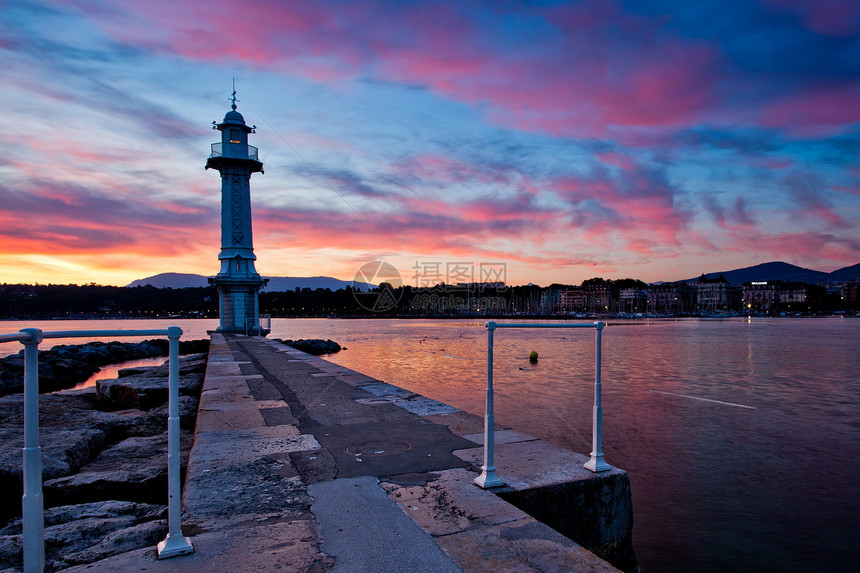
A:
58, 148
811, 197
588, 73
826, 17
595, 69
76, 220
443, 169
776, 162
736, 217
378, 232
617, 159
803, 247
636, 204
816, 111
590, 68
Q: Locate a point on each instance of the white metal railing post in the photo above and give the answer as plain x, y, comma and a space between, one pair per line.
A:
32, 507
488, 477
175, 543
596, 463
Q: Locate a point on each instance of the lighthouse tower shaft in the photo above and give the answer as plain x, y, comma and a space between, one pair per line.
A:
238, 282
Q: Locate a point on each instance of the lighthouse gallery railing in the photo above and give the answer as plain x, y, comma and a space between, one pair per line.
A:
31, 503
235, 150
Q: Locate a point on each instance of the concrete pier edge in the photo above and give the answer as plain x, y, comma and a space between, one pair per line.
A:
300, 464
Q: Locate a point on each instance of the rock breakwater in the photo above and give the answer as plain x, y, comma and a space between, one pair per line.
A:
315, 346
66, 365
104, 458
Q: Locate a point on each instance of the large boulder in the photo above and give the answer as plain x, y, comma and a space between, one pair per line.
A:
155, 420
71, 433
135, 469
315, 346
143, 392
79, 534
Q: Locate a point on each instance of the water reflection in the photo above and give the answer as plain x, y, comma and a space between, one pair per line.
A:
112, 370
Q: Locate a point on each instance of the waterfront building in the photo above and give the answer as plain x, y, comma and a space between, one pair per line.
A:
633, 300
238, 282
761, 295
850, 292
550, 301
672, 298
573, 300
598, 296
715, 295
793, 293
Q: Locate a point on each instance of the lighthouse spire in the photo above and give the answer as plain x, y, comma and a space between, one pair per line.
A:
232, 98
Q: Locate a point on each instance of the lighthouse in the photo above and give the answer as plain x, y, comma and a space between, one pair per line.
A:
238, 281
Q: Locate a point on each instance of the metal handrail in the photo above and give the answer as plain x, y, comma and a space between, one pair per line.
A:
217, 151
32, 507
488, 477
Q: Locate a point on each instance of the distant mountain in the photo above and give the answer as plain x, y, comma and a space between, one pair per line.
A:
780, 271
172, 280
846, 274
279, 284
276, 284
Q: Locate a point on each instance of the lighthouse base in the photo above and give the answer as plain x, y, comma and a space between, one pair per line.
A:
239, 305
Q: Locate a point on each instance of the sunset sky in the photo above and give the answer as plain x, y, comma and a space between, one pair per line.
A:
646, 139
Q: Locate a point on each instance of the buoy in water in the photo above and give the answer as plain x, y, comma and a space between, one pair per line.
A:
533, 356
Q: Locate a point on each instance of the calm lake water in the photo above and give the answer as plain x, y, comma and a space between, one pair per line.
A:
741, 437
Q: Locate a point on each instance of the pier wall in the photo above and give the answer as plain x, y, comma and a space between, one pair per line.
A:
596, 513
550, 483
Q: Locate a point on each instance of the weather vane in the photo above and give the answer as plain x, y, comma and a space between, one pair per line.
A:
232, 98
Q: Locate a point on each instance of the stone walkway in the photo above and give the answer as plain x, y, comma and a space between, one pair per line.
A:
302, 465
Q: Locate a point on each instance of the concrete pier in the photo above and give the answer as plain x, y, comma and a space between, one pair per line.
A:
300, 464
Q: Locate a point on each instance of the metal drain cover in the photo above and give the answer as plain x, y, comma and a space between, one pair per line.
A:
379, 448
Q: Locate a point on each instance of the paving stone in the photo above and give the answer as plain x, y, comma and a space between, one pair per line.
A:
285, 547
250, 443
221, 494
452, 503
501, 437
521, 546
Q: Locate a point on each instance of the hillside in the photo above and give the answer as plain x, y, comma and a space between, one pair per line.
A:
773, 271
845, 274
276, 284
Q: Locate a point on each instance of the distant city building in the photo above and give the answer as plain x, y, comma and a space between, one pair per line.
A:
760, 295
573, 300
850, 291
715, 295
672, 298
793, 293
633, 300
550, 301
238, 282
598, 297
484, 285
